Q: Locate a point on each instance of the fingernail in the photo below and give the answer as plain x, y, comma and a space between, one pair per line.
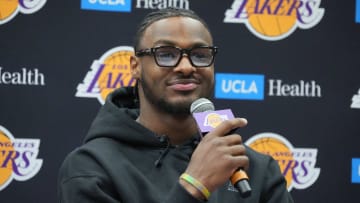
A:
244, 120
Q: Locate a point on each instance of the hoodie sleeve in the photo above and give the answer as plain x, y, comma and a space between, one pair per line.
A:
89, 189
82, 180
179, 195
85, 189
274, 186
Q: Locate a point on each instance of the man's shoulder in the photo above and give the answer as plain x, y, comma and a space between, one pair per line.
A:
257, 156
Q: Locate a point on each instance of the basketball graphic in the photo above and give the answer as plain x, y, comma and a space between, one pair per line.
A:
276, 148
18, 159
10, 8
116, 72
296, 164
214, 119
274, 19
109, 72
271, 24
5, 147
7, 8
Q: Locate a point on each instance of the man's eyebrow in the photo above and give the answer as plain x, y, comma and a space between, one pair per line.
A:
172, 43
162, 41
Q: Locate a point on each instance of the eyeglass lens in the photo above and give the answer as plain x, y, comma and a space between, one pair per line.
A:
171, 56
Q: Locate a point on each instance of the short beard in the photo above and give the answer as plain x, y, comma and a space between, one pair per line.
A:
180, 109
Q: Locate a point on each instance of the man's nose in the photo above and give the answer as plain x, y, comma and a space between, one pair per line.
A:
185, 65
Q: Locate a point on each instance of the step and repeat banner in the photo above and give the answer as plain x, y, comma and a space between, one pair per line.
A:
291, 67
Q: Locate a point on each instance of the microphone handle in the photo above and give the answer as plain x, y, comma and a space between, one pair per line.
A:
240, 181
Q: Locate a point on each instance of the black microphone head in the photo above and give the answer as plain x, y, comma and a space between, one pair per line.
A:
201, 105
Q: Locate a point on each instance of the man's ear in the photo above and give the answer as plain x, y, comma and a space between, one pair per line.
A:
135, 67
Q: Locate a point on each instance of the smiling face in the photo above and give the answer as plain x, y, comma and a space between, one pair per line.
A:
172, 90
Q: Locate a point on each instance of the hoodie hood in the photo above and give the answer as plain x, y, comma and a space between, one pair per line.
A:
117, 120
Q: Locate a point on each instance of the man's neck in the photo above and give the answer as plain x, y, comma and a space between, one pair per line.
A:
177, 128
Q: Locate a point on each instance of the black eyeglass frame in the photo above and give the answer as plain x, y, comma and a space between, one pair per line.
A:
152, 51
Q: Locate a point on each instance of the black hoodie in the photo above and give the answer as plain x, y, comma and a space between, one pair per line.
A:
122, 161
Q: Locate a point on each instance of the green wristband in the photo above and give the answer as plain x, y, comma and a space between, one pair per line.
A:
196, 184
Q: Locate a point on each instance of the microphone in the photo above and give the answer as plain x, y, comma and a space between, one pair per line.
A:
207, 118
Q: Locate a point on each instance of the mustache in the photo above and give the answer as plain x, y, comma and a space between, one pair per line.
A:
183, 80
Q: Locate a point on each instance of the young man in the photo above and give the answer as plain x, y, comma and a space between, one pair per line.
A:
144, 145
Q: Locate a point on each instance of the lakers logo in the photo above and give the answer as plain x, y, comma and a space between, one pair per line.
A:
275, 19
111, 71
5, 172
296, 164
10, 8
18, 158
214, 119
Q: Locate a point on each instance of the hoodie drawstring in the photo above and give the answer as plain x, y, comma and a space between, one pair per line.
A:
163, 153
193, 143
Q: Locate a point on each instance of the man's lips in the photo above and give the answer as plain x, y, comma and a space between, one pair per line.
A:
183, 84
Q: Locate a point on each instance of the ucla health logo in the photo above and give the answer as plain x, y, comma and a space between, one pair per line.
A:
18, 158
109, 72
252, 87
355, 170
10, 8
107, 5
357, 15
125, 5
24, 77
239, 86
276, 19
355, 104
297, 164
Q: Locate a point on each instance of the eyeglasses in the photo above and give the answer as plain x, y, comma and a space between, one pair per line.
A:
170, 56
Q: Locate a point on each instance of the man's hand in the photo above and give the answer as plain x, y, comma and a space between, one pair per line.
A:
217, 157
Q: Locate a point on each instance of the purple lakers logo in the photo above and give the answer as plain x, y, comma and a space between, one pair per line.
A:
111, 71
214, 119
275, 19
209, 120
296, 164
18, 158
10, 8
